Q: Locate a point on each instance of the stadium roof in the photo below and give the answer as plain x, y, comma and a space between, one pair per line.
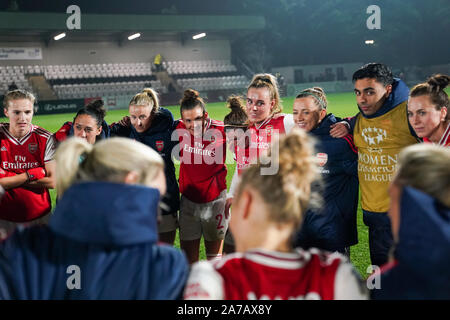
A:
26, 26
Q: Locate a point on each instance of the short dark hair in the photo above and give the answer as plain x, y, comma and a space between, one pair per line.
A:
381, 72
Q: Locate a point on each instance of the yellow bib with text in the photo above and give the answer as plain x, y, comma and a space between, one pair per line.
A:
379, 140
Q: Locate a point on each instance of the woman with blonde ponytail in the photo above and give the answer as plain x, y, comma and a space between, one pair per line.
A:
331, 227
101, 241
266, 123
428, 110
153, 126
267, 210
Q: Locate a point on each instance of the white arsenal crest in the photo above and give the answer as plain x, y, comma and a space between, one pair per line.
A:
322, 159
32, 147
159, 145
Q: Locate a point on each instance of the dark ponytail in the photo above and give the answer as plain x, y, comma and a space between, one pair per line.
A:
434, 88
95, 109
438, 82
191, 99
237, 115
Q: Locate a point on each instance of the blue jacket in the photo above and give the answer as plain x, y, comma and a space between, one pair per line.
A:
158, 137
108, 231
422, 253
333, 227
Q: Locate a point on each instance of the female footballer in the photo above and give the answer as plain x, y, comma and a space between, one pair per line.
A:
26, 167
333, 226
153, 126
265, 122
428, 112
202, 179
267, 211
88, 124
101, 241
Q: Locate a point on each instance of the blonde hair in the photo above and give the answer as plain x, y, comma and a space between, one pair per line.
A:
426, 167
16, 95
148, 97
266, 80
286, 193
109, 160
317, 93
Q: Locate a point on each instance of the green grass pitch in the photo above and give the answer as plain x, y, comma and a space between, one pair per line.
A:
341, 104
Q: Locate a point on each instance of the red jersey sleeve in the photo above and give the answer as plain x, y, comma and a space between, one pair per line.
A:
62, 133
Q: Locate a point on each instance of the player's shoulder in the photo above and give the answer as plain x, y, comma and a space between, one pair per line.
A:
228, 260
445, 139
180, 124
63, 132
335, 268
66, 126
217, 123
215, 268
324, 258
4, 126
260, 258
279, 119
204, 282
44, 133
280, 116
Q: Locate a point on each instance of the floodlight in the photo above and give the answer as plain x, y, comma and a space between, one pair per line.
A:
60, 36
198, 36
134, 36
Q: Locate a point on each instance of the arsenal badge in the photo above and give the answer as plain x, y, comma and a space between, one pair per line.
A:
322, 159
32, 147
159, 145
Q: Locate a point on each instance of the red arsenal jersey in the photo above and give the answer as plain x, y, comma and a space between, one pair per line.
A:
268, 275
17, 156
261, 137
445, 139
202, 162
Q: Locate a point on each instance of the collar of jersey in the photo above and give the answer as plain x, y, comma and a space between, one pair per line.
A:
263, 123
21, 140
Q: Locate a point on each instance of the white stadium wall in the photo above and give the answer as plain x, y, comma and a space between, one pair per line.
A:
58, 53
315, 75
315, 70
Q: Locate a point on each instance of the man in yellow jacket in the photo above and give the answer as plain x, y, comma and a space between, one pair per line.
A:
380, 130
157, 62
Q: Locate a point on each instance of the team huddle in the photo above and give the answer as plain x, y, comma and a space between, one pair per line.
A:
283, 230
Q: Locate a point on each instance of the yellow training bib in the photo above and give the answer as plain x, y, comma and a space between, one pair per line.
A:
379, 140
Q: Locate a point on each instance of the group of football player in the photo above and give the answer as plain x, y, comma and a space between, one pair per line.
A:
282, 230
